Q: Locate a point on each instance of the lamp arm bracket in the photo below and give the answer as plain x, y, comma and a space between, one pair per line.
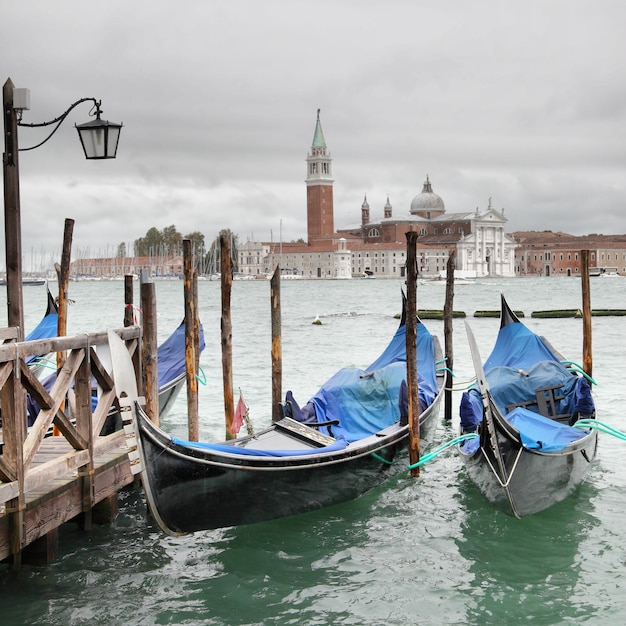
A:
59, 120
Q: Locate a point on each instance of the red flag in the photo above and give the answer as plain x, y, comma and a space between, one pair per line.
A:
240, 414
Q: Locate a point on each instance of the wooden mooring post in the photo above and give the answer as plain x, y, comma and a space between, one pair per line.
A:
192, 334
129, 301
586, 295
227, 335
411, 350
277, 349
149, 350
448, 309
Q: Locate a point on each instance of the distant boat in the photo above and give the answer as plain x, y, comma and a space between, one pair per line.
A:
27, 282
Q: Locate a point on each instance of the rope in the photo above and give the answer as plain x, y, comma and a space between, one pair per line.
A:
435, 453
580, 370
600, 426
381, 459
44, 363
201, 376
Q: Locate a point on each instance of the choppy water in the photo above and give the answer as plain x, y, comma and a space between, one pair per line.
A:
416, 551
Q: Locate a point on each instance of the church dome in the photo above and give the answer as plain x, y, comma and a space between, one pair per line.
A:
428, 200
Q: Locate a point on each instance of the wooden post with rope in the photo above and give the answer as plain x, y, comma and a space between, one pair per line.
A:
411, 351
448, 309
191, 332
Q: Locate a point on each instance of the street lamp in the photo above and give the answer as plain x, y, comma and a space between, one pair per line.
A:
99, 139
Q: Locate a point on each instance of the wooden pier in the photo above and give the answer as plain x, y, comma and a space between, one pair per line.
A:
46, 480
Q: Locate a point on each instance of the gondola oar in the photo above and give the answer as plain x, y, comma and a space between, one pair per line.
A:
483, 387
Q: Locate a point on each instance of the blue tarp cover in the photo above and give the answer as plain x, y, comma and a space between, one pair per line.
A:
542, 433
366, 401
171, 355
47, 327
519, 347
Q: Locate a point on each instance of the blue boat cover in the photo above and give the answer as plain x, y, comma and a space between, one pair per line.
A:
171, 355
47, 327
366, 401
519, 347
541, 433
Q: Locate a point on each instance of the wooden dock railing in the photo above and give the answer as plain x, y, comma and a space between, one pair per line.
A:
31, 461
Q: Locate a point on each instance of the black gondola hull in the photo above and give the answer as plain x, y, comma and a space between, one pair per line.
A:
196, 489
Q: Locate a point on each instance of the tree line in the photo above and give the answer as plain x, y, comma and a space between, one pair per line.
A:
168, 242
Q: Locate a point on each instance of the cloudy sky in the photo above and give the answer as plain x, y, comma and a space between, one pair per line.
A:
521, 101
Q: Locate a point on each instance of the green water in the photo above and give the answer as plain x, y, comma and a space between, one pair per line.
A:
429, 550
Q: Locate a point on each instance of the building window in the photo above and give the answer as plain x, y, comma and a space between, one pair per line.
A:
423, 231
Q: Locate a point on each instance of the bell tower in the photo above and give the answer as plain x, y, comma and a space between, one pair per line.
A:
319, 188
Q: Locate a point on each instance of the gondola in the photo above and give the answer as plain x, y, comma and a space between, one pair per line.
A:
524, 407
171, 377
47, 328
350, 437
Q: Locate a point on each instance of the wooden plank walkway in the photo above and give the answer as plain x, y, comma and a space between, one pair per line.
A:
62, 499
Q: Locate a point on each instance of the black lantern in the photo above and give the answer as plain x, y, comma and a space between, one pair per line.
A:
99, 137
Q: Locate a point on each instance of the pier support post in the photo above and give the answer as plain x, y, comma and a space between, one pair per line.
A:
42, 551
105, 511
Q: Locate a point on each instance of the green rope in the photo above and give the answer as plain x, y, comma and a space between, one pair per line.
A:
446, 369
44, 362
201, 377
600, 426
578, 368
381, 459
435, 453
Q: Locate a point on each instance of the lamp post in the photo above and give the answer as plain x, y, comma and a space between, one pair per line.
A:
99, 139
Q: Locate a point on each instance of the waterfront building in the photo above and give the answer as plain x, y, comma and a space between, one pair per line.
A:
546, 253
